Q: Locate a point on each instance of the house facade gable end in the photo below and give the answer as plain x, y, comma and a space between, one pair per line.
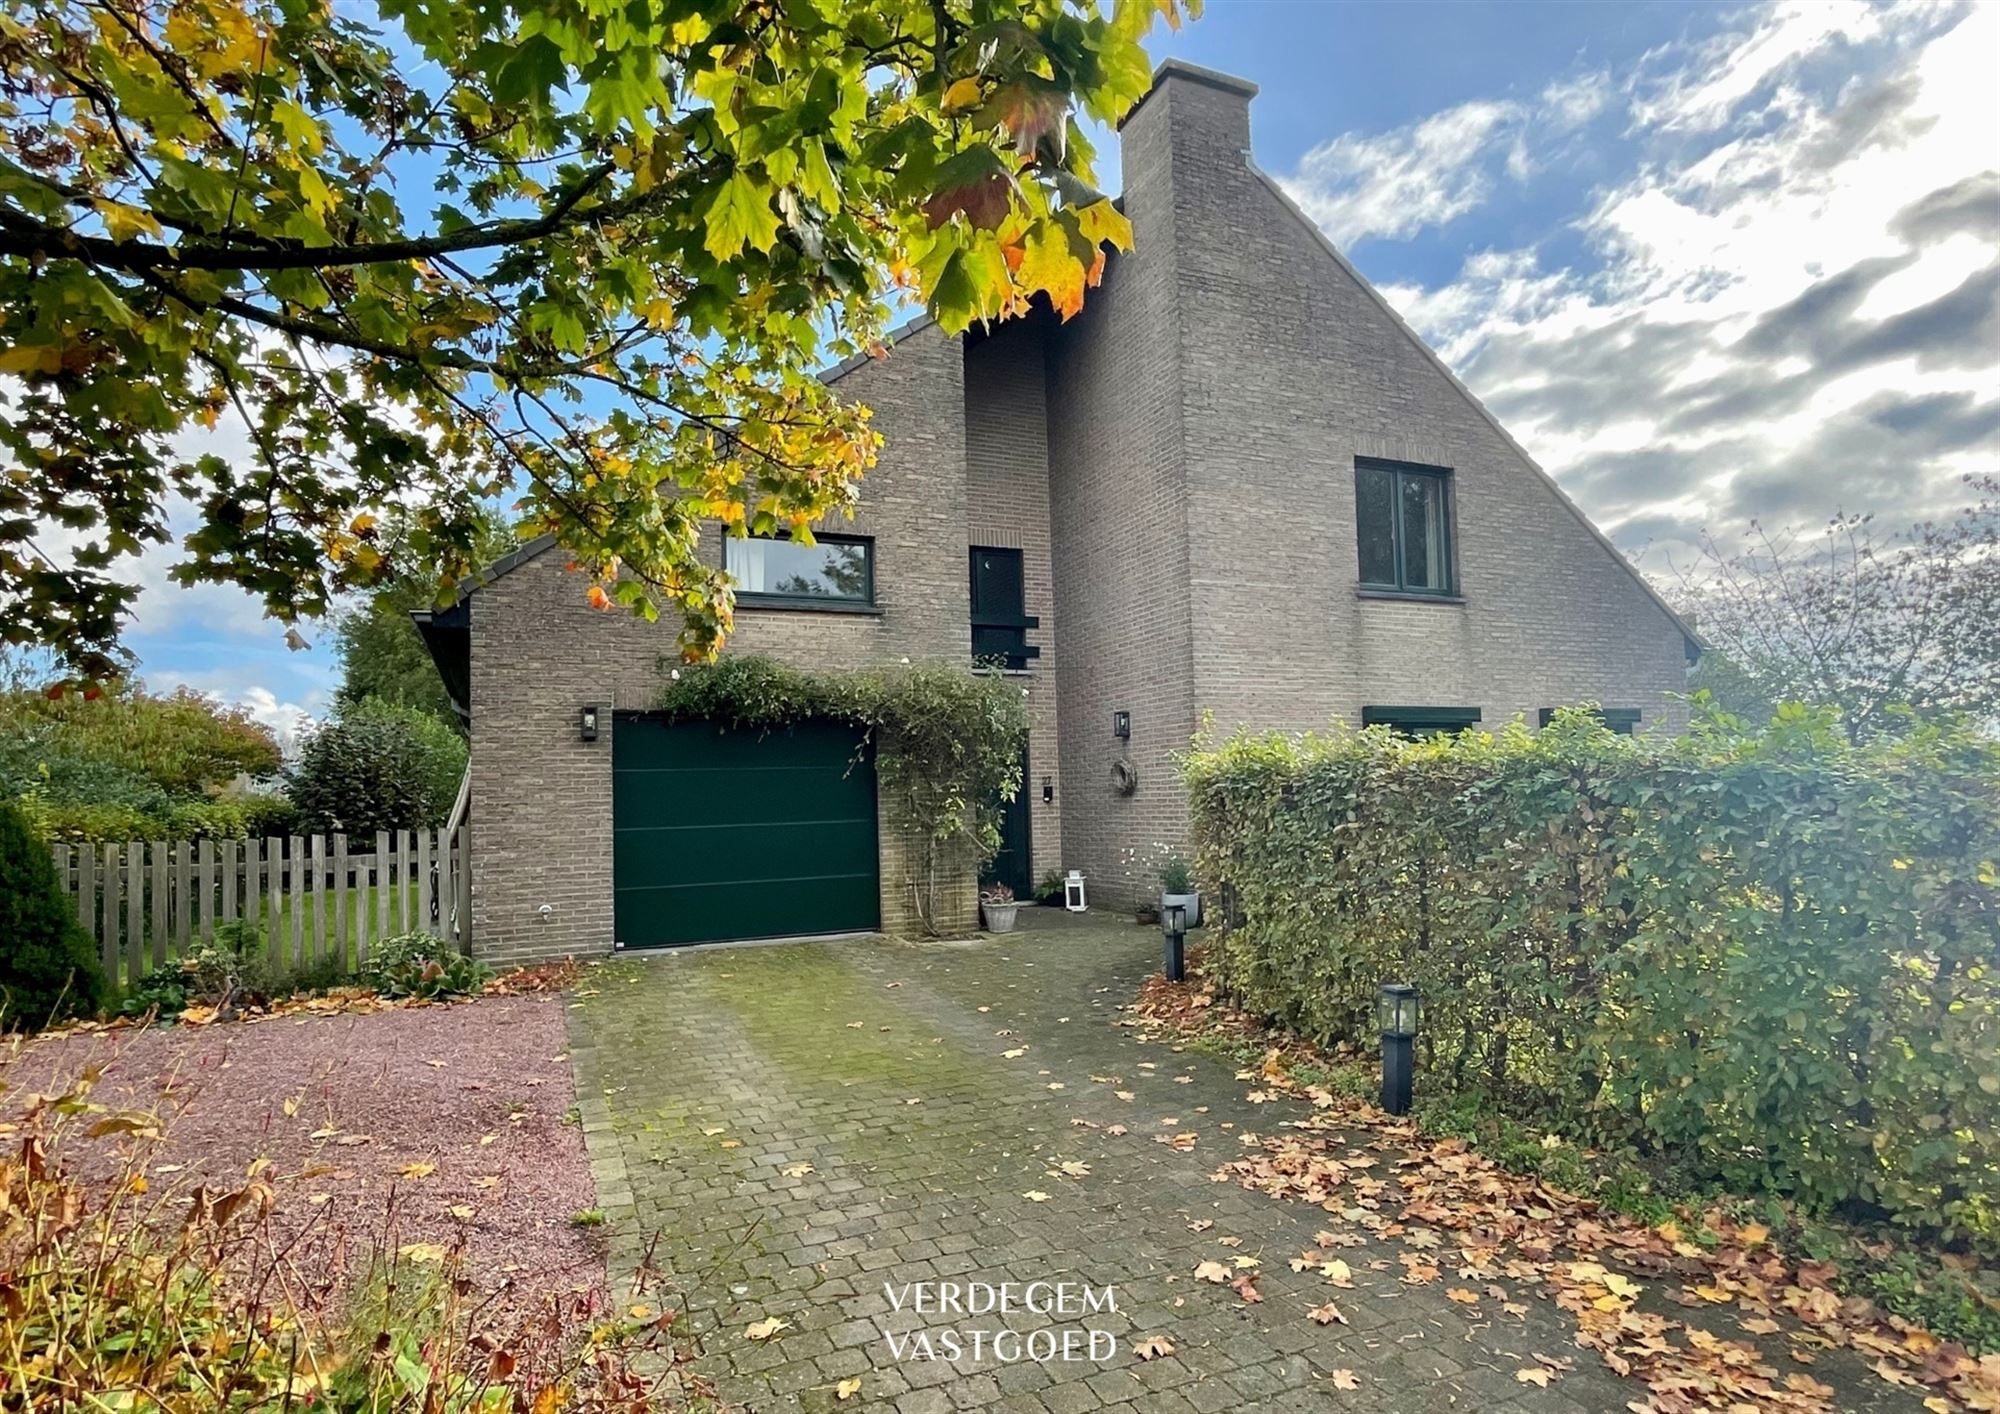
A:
1472, 400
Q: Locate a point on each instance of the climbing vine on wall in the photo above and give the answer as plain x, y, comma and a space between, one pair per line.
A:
948, 745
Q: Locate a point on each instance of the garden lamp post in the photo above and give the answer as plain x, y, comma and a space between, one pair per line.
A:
1173, 930
1396, 1011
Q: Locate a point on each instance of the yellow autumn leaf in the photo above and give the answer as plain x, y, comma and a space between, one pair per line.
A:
418, 1169
421, 1252
848, 1387
124, 222
766, 1328
1048, 265
1101, 221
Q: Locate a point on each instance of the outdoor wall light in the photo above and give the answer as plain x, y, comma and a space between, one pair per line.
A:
586, 721
1173, 931
1048, 790
1121, 725
1396, 1013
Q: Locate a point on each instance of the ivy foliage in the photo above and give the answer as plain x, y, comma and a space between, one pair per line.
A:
1769, 954
948, 746
427, 255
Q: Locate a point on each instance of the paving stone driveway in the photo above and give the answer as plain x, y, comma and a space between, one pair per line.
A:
708, 1080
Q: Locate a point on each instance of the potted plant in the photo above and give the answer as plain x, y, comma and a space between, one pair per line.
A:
1049, 893
997, 902
1177, 889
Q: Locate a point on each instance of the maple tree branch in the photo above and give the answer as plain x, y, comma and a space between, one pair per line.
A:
24, 236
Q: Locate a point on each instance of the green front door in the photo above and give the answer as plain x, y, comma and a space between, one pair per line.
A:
1013, 865
720, 834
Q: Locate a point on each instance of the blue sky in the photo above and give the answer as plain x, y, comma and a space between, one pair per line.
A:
1707, 262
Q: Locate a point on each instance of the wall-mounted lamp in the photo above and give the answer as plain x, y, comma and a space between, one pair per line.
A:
1396, 1011
586, 721
1121, 725
1173, 931
1048, 790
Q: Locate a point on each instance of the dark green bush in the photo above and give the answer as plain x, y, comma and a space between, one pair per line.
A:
48, 965
1770, 956
377, 767
423, 965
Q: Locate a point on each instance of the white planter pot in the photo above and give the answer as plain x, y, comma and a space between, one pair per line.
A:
1190, 902
1000, 916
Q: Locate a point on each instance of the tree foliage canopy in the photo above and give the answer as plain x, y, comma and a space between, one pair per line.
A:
382, 656
432, 254
1892, 631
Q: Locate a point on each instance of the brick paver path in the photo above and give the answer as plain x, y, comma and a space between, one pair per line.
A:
708, 1081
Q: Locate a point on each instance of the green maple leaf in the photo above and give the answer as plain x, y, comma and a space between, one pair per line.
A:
741, 212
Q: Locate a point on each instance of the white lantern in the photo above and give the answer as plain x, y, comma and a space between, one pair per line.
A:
1073, 891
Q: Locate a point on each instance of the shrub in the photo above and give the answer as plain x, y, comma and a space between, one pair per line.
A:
377, 767
1175, 876
183, 743
48, 965
1769, 955
423, 965
225, 817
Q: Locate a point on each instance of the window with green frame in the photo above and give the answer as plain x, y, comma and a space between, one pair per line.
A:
1417, 722
1624, 721
1402, 521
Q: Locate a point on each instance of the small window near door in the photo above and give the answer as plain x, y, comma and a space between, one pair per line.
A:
832, 570
1402, 517
1420, 721
1000, 621
1622, 720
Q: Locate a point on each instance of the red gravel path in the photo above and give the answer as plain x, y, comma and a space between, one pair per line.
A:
479, 1089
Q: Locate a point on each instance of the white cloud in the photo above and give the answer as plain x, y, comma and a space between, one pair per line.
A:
1401, 181
1426, 173
1791, 302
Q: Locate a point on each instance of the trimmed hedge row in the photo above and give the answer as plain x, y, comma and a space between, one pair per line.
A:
1769, 954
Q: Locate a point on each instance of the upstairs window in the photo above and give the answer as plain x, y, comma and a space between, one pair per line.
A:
1621, 720
1420, 721
834, 569
1402, 520
1000, 617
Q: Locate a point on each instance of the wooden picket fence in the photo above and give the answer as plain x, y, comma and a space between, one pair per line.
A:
315, 900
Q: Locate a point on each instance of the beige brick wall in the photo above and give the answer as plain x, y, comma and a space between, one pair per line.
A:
1177, 466
1118, 500
1007, 465
1206, 413
542, 797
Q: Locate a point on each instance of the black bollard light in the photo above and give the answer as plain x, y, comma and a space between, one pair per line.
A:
1173, 929
1396, 1011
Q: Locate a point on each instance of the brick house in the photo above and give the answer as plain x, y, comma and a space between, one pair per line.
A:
1236, 485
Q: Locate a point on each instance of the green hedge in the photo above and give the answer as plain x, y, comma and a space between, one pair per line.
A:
228, 817
1769, 954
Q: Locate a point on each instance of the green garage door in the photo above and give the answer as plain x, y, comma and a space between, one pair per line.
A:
722, 834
